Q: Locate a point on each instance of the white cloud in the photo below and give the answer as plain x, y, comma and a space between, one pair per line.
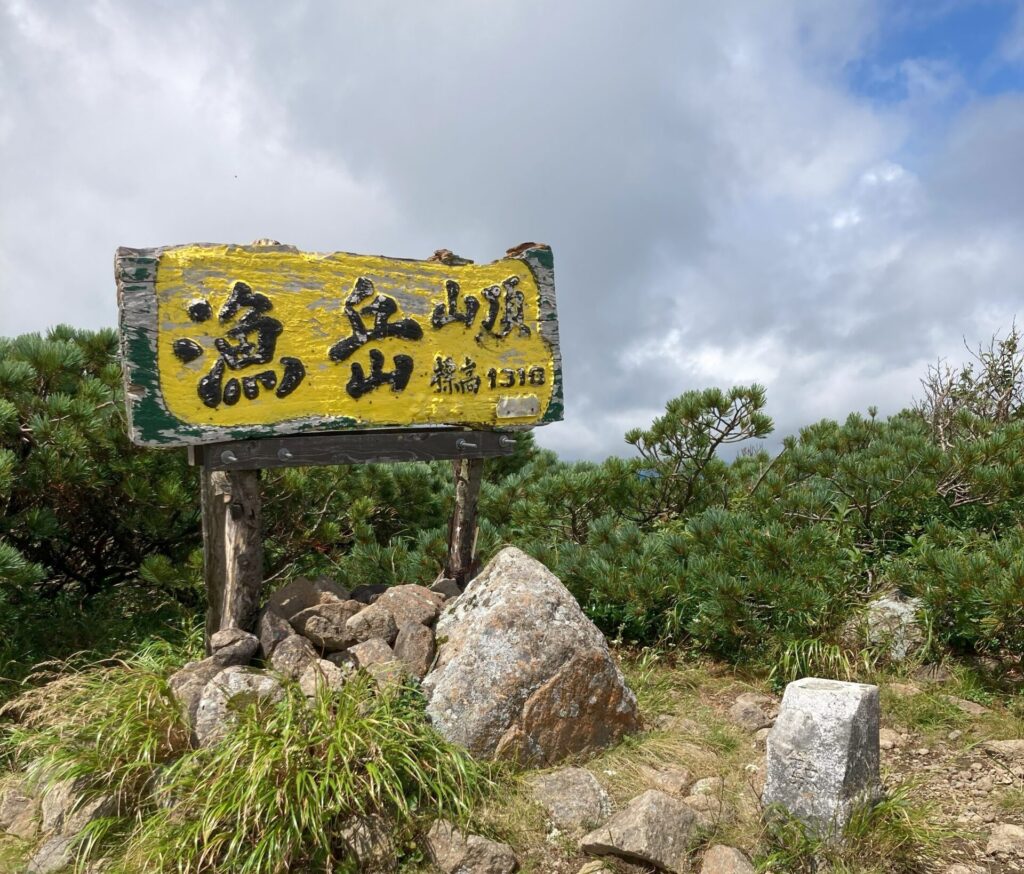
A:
722, 208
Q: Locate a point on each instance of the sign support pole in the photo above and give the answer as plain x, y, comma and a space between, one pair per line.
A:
462, 533
232, 548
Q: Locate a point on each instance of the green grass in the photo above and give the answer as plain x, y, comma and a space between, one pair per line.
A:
275, 795
897, 835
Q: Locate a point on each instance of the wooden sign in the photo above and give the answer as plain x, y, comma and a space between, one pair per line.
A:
224, 342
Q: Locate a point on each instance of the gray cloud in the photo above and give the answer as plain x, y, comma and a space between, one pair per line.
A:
721, 208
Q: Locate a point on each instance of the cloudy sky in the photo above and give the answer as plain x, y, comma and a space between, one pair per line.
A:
823, 197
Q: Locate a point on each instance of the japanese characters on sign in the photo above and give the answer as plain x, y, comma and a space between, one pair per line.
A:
226, 342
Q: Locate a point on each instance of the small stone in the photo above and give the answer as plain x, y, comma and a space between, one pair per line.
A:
297, 595
1006, 838
823, 752
391, 673
575, 802
325, 624
411, 604
447, 587
720, 859
669, 779
368, 594
709, 805
54, 854
933, 674
228, 693
903, 690
367, 839
321, 673
955, 735
416, 647
971, 708
330, 589
1008, 750
749, 716
655, 829
272, 628
708, 786
888, 739
373, 621
455, 852
232, 646
371, 652
292, 655
19, 811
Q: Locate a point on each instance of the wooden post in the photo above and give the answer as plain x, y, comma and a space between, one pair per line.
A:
232, 548
469, 473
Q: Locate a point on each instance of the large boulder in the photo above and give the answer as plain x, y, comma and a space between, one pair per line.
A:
522, 673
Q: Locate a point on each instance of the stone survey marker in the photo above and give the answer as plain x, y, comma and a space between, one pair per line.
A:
227, 342
822, 753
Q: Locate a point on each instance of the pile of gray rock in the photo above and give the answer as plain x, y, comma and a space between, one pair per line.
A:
314, 632
511, 668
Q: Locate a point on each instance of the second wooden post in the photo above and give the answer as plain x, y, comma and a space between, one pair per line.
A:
232, 548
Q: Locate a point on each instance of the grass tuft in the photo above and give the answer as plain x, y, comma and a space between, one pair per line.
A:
277, 794
897, 835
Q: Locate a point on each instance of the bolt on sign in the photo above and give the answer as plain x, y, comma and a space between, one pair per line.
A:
225, 342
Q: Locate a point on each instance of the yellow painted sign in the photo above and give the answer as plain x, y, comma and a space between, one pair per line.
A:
223, 342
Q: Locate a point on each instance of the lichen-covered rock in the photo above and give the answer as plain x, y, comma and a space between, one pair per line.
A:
65, 815
411, 604
575, 802
522, 673
447, 587
415, 647
455, 852
187, 684
367, 840
375, 621
19, 811
302, 593
272, 629
670, 779
1006, 839
232, 646
371, 652
367, 594
753, 711
292, 656
322, 673
1009, 750
892, 625
655, 829
226, 695
823, 753
325, 624
720, 859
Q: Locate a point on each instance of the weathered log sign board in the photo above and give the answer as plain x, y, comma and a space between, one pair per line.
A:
226, 342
